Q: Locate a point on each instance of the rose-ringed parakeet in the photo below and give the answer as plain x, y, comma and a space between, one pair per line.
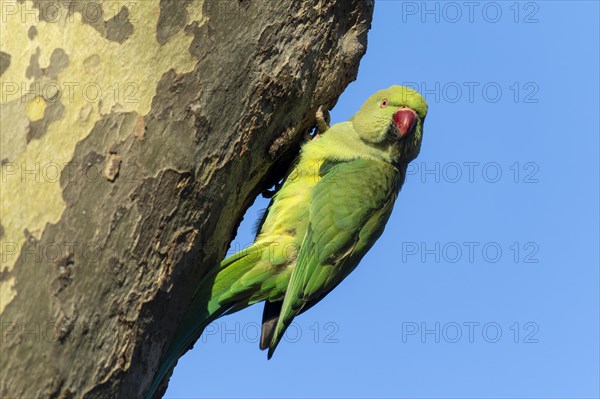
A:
330, 210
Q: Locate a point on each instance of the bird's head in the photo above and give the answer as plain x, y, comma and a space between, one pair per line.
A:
392, 119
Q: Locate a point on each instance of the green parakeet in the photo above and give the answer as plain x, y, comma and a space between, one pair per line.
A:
331, 208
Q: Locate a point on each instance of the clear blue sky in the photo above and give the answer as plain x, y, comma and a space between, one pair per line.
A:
485, 283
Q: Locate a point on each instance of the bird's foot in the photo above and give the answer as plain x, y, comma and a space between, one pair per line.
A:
322, 118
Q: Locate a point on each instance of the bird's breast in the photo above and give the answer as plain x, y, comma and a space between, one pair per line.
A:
289, 213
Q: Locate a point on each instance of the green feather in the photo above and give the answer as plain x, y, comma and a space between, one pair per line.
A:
331, 208
327, 254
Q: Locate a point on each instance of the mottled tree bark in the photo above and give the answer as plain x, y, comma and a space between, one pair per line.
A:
134, 135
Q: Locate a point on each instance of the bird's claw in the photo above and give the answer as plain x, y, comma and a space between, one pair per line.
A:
322, 118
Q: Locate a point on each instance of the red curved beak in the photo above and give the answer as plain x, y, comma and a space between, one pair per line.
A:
405, 120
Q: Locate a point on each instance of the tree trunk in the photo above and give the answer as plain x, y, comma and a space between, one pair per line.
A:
134, 136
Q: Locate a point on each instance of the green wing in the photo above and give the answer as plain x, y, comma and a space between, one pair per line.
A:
349, 208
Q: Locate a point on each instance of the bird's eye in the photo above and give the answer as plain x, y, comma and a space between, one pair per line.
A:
383, 103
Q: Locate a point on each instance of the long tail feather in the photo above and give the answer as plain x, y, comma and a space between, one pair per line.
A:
212, 300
